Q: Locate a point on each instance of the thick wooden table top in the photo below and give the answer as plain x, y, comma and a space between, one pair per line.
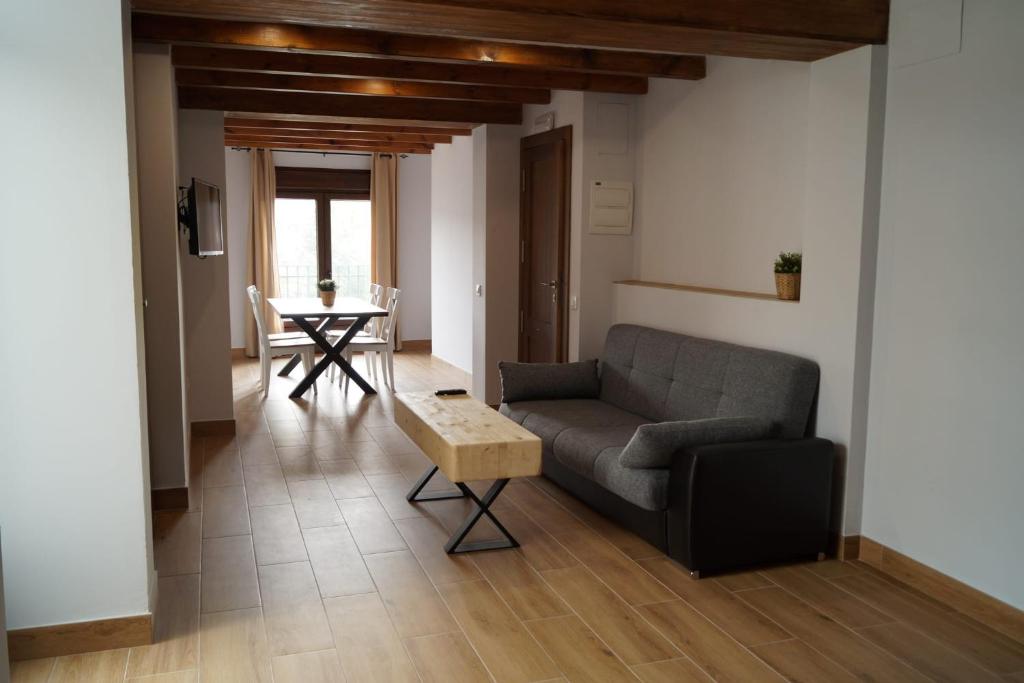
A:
466, 439
313, 307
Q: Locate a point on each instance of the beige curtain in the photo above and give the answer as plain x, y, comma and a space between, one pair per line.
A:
262, 263
384, 222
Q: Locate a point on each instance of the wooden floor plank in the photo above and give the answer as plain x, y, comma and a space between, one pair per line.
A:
292, 609
228, 581
222, 464
225, 512
741, 581
446, 658
615, 622
671, 671
276, 535
314, 505
500, 639
265, 485
233, 647
409, 596
32, 670
519, 585
336, 562
391, 490
824, 634
345, 479
175, 629
298, 463
177, 541
577, 651
370, 526
622, 574
984, 645
366, 641
426, 538
709, 647
308, 667
826, 597
93, 666
725, 610
540, 548
932, 658
798, 662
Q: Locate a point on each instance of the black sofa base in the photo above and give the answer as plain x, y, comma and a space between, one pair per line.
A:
731, 505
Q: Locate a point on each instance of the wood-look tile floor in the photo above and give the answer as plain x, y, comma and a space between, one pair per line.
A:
300, 560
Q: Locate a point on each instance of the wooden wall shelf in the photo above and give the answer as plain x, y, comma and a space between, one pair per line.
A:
704, 290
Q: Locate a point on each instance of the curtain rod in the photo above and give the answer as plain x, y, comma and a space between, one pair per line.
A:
307, 151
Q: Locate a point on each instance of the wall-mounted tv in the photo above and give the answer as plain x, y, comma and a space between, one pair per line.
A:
201, 213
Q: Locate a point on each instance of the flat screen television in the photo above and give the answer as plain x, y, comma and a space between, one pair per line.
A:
201, 213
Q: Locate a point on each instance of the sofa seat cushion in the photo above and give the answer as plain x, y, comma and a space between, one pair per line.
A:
587, 436
645, 488
548, 419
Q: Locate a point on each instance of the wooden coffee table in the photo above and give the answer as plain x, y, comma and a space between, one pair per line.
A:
467, 441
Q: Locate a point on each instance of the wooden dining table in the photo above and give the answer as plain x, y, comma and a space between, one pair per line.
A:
305, 311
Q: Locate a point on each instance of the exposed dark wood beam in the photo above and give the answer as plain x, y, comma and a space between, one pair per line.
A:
358, 86
176, 29
315, 104
201, 57
370, 144
298, 124
344, 135
772, 29
327, 148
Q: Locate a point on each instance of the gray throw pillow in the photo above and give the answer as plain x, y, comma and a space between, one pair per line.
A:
654, 444
548, 381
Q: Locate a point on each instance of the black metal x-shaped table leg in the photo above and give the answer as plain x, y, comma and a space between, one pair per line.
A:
294, 361
332, 354
455, 544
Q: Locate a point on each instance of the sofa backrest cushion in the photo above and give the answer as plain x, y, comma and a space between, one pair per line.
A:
667, 376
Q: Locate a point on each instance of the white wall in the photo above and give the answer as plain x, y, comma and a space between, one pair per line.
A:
205, 281
155, 124
495, 255
414, 245
831, 204
238, 180
721, 176
451, 252
73, 460
944, 469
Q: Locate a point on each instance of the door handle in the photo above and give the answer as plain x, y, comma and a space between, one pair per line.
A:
552, 283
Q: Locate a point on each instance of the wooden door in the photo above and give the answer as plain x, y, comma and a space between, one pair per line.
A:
545, 161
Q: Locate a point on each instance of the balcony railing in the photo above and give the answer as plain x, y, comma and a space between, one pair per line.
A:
300, 281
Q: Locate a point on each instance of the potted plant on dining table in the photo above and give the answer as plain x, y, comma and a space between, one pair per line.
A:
328, 290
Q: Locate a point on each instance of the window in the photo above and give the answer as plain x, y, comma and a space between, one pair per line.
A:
322, 229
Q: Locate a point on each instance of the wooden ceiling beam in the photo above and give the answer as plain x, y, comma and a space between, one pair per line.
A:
316, 104
771, 29
240, 122
201, 57
372, 144
358, 86
327, 148
177, 29
345, 135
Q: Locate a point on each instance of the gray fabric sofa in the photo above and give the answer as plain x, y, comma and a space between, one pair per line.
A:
734, 480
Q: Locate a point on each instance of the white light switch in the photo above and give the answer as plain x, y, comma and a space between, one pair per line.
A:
574, 304
478, 290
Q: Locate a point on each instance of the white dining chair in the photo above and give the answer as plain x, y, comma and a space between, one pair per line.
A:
382, 345
371, 329
280, 344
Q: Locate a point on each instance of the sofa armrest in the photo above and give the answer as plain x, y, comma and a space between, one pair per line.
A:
548, 381
755, 502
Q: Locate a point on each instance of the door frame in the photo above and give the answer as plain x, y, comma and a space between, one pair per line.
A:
562, 136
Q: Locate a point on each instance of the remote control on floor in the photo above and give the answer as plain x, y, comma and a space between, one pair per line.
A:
450, 392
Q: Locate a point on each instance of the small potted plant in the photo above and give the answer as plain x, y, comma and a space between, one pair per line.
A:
787, 275
328, 290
